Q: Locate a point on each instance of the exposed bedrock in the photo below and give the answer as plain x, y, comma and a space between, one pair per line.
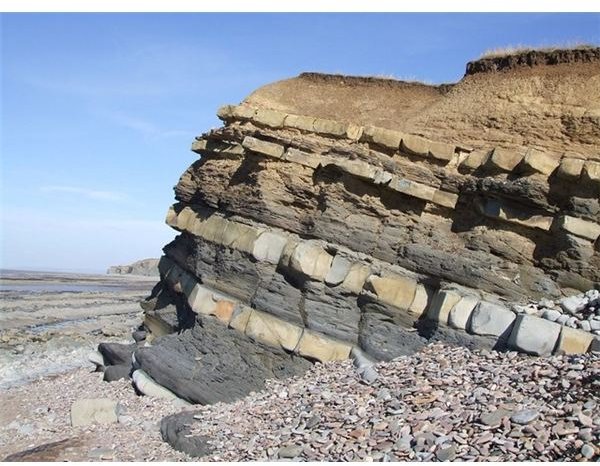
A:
304, 238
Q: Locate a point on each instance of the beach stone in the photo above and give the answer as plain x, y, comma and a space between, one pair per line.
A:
525, 416
88, 411
551, 314
291, 451
148, 386
494, 418
116, 353
534, 335
117, 372
491, 319
139, 335
573, 304
446, 453
573, 341
588, 451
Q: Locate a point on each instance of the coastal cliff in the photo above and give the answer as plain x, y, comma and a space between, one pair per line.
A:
336, 217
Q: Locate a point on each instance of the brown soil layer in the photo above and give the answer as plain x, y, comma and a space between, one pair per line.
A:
533, 58
553, 106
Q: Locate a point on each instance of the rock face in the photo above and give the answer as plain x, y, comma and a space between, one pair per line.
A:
146, 267
308, 230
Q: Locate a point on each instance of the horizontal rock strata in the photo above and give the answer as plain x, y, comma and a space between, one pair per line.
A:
303, 238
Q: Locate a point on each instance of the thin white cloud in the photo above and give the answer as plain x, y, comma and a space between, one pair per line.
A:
144, 127
112, 196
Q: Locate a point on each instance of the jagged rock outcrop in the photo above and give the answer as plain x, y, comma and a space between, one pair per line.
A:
146, 267
330, 213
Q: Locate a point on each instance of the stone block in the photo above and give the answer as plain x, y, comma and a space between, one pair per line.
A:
504, 159
354, 132
412, 188
461, 312
93, 411
382, 177
225, 112
574, 341
243, 112
441, 151
382, 137
591, 172
570, 168
212, 229
329, 127
270, 118
185, 218
200, 300
301, 122
415, 145
441, 305
223, 310
445, 199
539, 162
288, 252
239, 236
396, 291
171, 218
475, 159
534, 335
422, 300
491, 319
340, 266
302, 158
356, 278
269, 247
358, 168
580, 227
321, 348
311, 260
496, 209
203, 146
263, 147
240, 317
272, 331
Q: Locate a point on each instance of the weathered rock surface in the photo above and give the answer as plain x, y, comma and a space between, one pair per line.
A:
210, 363
145, 267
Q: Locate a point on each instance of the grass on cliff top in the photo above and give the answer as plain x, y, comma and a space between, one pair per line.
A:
518, 49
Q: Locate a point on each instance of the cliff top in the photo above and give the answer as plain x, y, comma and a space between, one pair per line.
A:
548, 99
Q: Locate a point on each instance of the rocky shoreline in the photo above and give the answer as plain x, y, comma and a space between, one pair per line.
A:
442, 403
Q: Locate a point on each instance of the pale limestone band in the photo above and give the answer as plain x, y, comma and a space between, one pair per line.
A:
456, 307
521, 161
491, 208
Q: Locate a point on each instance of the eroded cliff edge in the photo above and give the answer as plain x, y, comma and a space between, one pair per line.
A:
334, 216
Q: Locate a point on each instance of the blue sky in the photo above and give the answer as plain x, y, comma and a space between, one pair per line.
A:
99, 111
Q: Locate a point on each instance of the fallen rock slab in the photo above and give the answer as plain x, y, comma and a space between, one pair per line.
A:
93, 410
